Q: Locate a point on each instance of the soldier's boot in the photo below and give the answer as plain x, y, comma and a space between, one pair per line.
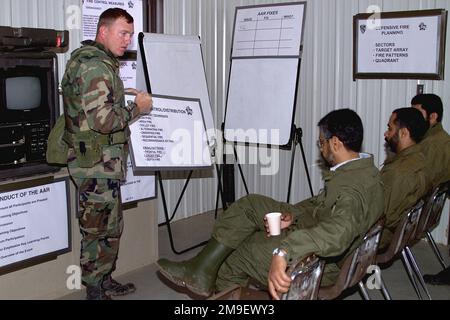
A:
96, 293
114, 288
199, 273
442, 278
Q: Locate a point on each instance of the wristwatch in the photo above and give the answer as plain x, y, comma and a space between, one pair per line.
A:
279, 252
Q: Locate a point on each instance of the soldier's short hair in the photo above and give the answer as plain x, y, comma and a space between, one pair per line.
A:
431, 103
109, 16
346, 125
412, 120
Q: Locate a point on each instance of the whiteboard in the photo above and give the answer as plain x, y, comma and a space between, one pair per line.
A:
274, 30
175, 68
171, 137
265, 63
261, 101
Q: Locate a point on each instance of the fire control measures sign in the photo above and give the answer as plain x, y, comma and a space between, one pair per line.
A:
33, 222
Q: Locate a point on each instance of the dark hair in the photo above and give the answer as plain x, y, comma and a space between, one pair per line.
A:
110, 15
411, 119
430, 103
346, 125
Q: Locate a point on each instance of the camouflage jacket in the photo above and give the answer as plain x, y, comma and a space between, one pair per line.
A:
405, 182
436, 149
95, 114
333, 223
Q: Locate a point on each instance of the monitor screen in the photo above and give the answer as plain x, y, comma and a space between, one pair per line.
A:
23, 93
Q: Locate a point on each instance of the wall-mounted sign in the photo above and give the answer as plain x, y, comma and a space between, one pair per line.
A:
34, 223
400, 45
93, 8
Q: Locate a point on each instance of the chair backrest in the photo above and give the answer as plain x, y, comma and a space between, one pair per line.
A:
432, 209
364, 255
404, 232
436, 206
355, 266
306, 276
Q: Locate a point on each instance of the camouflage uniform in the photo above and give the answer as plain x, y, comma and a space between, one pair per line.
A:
97, 132
405, 181
330, 224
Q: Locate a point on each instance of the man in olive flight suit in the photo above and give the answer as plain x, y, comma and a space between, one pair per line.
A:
436, 148
436, 143
331, 224
97, 132
404, 175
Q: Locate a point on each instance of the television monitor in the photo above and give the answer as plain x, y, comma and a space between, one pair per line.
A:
25, 94
15, 97
29, 106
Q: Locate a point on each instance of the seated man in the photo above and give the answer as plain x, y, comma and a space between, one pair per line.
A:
436, 143
330, 224
404, 176
436, 149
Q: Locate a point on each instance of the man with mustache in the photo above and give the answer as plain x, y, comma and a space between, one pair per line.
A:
331, 224
403, 174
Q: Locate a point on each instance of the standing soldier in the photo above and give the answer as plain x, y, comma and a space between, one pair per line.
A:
96, 121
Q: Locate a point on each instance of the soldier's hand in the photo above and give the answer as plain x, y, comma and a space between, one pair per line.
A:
278, 280
144, 102
286, 220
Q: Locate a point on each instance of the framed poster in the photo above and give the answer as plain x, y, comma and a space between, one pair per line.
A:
34, 222
400, 45
172, 137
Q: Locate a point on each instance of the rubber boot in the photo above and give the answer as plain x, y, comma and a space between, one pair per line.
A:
96, 293
199, 273
114, 288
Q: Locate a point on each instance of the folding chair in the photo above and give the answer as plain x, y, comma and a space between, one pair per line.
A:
435, 206
429, 219
306, 275
403, 234
355, 266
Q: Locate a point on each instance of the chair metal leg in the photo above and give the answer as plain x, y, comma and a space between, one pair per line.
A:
417, 271
384, 290
436, 250
410, 273
363, 291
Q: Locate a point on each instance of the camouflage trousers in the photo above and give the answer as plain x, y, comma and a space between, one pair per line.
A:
101, 225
